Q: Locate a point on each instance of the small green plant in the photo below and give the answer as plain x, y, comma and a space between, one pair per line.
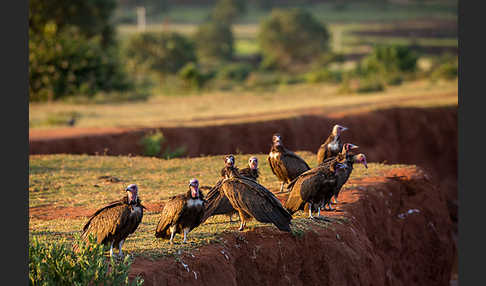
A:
370, 84
152, 146
55, 263
236, 71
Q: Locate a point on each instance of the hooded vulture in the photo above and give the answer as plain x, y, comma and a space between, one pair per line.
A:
314, 187
112, 224
332, 146
182, 213
224, 206
285, 164
250, 199
251, 171
349, 160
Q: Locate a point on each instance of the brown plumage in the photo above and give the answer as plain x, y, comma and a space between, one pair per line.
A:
224, 207
182, 213
251, 171
285, 164
251, 199
314, 187
332, 146
112, 224
348, 159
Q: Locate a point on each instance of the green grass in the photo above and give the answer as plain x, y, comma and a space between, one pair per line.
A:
69, 181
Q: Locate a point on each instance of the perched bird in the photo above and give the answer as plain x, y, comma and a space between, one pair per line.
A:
315, 187
182, 213
112, 224
250, 199
252, 170
285, 164
224, 206
349, 161
332, 146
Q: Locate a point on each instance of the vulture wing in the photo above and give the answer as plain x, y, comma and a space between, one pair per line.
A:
106, 221
294, 165
170, 215
252, 198
217, 203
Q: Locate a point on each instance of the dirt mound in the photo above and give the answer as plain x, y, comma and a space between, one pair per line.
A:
392, 230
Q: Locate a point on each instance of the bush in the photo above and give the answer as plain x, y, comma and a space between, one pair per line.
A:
67, 64
165, 53
370, 84
227, 11
152, 146
292, 37
57, 264
236, 71
446, 67
193, 77
214, 41
392, 58
323, 75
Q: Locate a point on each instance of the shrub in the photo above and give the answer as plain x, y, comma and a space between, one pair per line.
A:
370, 84
292, 37
53, 263
391, 58
214, 41
323, 75
152, 146
227, 11
236, 71
193, 77
446, 67
165, 52
66, 63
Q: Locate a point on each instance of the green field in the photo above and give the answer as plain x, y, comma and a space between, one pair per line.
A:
73, 181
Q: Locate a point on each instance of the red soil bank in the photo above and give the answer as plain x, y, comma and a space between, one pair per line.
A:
384, 241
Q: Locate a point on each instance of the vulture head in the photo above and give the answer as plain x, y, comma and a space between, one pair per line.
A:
253, 162
229, 161
277, 140
348, 146
194, 186
360, 158
337, 129
132, 192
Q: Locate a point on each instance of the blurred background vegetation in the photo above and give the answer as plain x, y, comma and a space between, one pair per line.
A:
98, 51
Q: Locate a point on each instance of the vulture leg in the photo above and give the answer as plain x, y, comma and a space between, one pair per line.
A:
319, 210
281, 187
242, 220
172, 233
120, 253
310, 211
111, 248
186, 230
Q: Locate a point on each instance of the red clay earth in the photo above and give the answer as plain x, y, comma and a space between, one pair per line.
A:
382, 241
381, 249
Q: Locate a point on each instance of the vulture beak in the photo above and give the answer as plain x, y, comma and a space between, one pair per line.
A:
344, 128
363, 160
352, 146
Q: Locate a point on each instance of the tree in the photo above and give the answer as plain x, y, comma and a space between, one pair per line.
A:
227, 11
214, 41
165, 52
292, 37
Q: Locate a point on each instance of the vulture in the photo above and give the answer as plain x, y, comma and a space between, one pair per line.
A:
252, 170
332, 146
349, 160
285, 164
315, 187
250, 199
112, 224
224, 206
182, 213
